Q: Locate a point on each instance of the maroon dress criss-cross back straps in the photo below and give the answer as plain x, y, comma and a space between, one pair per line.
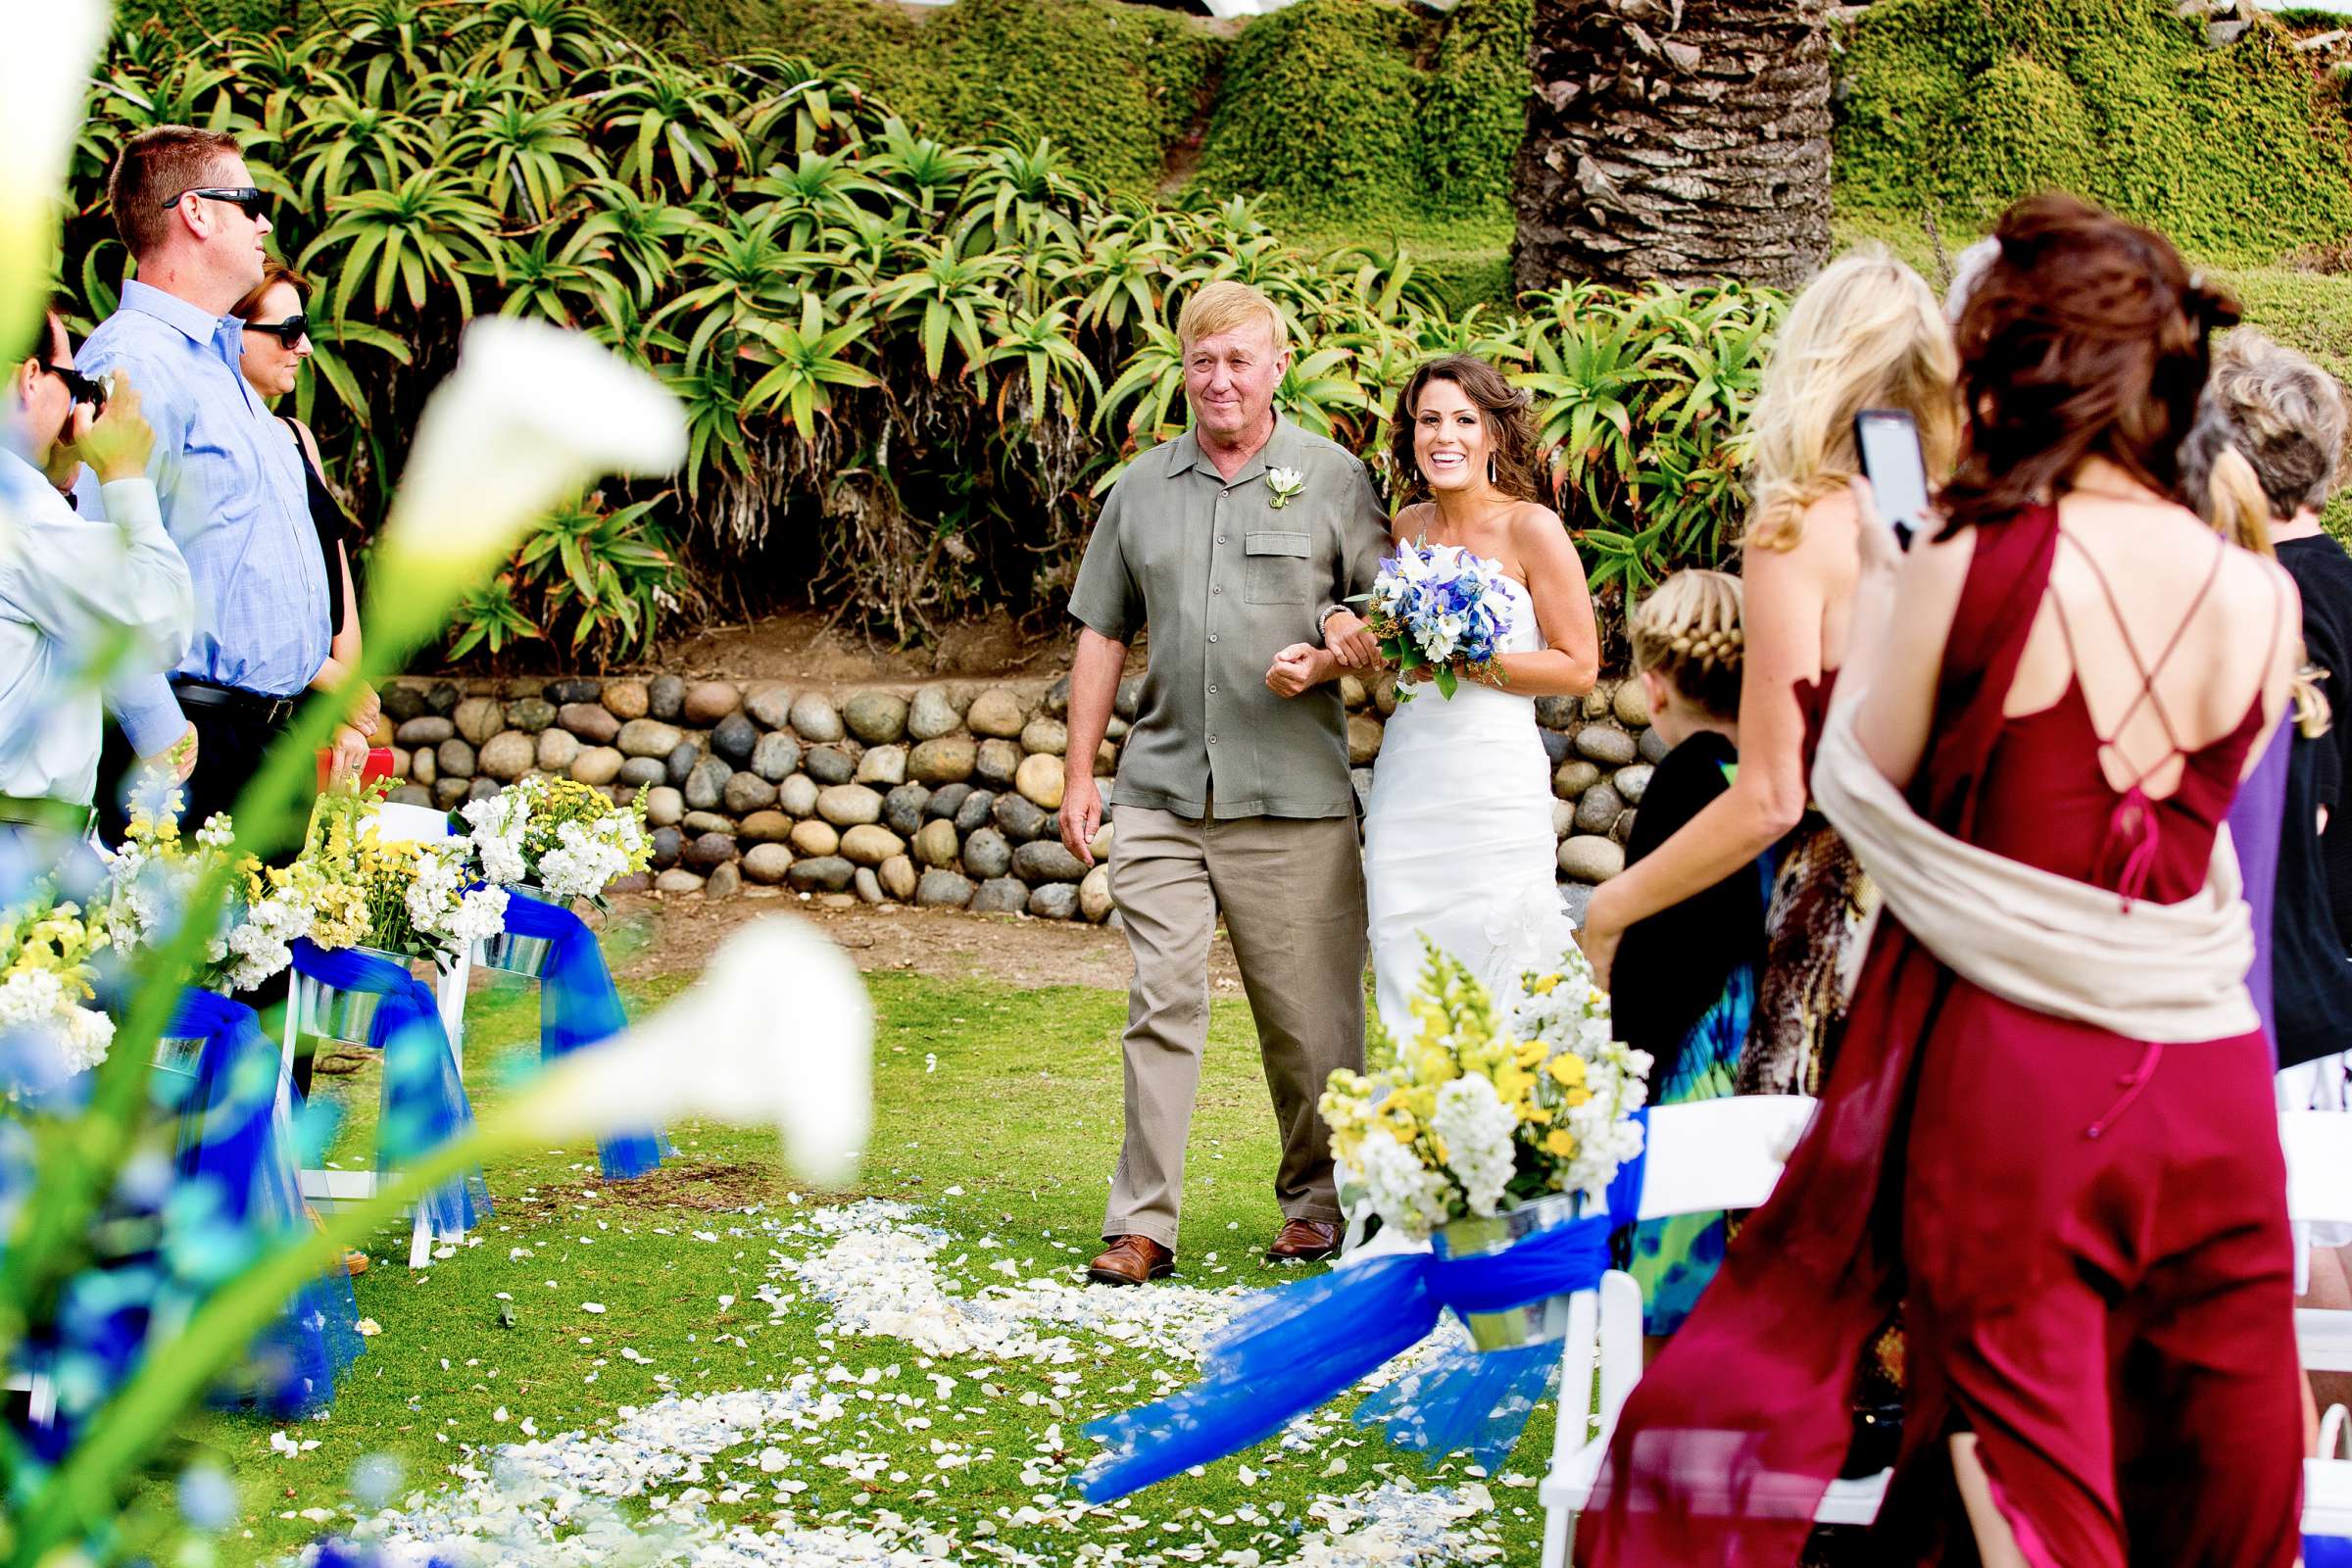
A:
2087, 1232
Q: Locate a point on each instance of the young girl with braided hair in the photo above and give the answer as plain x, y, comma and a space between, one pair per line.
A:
1685, 978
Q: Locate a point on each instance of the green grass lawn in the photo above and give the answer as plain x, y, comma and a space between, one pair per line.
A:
998, 1114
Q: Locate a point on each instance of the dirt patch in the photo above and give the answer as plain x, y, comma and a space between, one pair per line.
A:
716, 1188
653, 934
804, 647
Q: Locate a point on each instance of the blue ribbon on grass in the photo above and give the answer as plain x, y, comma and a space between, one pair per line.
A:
579, 1007
424, 1103
236, 1142
1303, 1344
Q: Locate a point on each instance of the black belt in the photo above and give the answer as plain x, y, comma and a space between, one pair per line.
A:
274, 711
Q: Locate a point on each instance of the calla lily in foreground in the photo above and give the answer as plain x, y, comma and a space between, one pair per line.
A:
530, 414
45, 79
778, 1032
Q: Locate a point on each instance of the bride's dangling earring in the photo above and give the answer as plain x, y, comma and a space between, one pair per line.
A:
1490, 481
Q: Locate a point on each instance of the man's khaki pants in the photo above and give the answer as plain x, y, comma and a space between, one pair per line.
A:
1292, 894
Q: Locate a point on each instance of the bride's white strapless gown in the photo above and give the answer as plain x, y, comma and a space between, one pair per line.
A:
1457, 838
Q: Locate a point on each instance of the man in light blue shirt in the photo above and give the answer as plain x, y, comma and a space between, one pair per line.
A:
228, 472
75, 590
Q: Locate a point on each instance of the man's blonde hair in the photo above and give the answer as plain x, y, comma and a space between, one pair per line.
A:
1866, 333
1225, 305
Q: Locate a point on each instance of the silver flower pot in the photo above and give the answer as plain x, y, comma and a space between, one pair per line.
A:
334, 1013
178, 1056
513, 955
1538, 1322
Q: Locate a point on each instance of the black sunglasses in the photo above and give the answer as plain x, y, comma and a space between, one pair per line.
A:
82, 388
248, 198
290, 332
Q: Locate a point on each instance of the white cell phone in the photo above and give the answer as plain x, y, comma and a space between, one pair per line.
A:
1888, 440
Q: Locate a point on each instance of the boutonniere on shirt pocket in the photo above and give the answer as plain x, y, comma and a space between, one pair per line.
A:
1287, 486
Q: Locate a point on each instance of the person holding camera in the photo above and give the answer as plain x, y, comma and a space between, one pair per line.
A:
71, 585
229, 482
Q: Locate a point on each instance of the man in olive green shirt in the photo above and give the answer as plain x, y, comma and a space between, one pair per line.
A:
1237, 540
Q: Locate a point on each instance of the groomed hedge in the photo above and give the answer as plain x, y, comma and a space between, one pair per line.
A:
1961, 107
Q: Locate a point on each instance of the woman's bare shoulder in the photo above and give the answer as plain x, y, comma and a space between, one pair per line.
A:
1413, 518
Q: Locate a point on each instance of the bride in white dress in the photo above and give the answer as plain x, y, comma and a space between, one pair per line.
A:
1458, 846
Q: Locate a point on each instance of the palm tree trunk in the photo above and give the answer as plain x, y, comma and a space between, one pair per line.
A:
1683, 140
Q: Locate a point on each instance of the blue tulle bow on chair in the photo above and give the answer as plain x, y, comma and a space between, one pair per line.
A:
236, 1142
1303, 1344
579, 1005
424, 1103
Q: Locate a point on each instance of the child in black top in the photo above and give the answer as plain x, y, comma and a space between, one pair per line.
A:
1685, 979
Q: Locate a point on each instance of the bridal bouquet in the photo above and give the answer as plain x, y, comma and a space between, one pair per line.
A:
1478, 1114
557, 835
48, 947
413, 898
1442, 607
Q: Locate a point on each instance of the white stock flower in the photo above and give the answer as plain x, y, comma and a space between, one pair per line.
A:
1476, 1128
531, 414
44, 83
778, 1031
1404, 1193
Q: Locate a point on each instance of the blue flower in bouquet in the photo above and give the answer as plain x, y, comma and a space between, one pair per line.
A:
1442, 607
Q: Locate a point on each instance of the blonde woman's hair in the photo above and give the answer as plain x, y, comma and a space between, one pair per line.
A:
1689, 631
1866, 333
2218, 478
1225, 305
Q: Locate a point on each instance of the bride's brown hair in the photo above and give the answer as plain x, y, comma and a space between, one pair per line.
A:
1502, 407
2086, 337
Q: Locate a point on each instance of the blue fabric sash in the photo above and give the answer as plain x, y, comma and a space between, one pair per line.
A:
579, 1005
1303, 1345
236, 1141
424, 1103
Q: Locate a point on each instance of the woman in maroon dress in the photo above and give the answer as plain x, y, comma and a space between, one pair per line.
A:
2051, 1134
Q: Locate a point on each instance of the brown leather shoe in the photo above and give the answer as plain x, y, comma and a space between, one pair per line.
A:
1305, 1240
1131, 1260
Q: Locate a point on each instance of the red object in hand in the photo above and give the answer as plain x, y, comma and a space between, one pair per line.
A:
378, 766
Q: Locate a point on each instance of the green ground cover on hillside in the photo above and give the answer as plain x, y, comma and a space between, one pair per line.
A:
1953, 106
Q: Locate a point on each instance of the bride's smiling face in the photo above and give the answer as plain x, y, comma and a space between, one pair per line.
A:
1449, 438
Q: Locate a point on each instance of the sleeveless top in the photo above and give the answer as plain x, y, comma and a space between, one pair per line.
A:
2049, 803
334, 527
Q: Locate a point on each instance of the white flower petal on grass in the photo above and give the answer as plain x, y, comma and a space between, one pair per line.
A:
531, 414
778, 1032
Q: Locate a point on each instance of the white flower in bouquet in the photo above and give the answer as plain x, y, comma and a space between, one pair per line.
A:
1601, 1082
259, 944
1398, 1187
49, 1007
497, 827
585, 862
1475, 1129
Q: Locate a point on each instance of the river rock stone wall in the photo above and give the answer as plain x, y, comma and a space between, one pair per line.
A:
940, 795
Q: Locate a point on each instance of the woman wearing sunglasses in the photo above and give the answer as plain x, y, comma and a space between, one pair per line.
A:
277, 342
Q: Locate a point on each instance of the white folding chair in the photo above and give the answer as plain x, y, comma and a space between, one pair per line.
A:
1703, 1156
1727, 1154
2319, 1190
395, 823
